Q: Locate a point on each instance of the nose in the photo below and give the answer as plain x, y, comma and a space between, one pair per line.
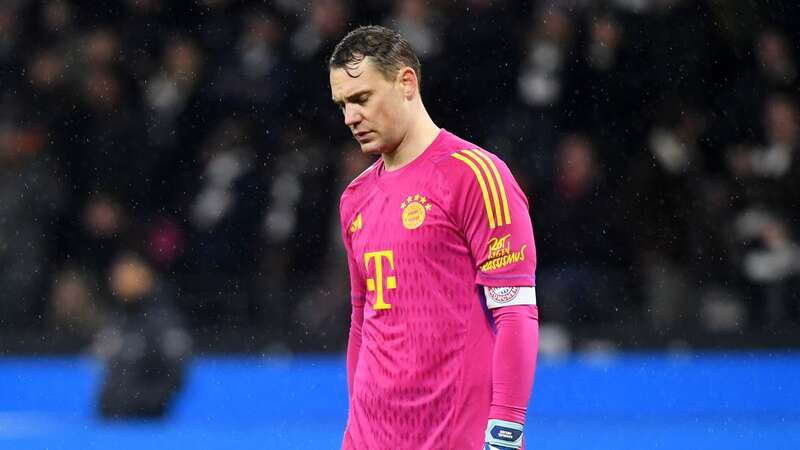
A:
352, 115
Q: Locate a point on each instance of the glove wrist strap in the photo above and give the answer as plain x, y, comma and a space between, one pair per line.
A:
504, 433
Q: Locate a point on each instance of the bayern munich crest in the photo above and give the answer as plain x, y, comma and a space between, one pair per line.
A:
502, 294
415, 209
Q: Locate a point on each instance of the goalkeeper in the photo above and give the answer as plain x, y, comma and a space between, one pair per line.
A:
444, 326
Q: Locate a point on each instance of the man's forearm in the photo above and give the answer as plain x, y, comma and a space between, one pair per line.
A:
514, 361
354, 344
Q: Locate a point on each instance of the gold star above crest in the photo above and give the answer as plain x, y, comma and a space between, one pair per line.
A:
416, 198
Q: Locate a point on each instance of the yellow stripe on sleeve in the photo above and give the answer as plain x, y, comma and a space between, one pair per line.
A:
477, 172
497, 211
500, 184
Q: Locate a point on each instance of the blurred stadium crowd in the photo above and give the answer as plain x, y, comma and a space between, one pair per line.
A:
189, 152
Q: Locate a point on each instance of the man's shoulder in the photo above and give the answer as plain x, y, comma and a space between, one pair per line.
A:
459, 159
358, 185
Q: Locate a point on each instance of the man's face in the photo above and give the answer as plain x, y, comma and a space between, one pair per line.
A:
374, 108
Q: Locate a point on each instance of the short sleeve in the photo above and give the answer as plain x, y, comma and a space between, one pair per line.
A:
493, 214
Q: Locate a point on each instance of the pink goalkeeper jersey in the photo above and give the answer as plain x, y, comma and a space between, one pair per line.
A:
420, 240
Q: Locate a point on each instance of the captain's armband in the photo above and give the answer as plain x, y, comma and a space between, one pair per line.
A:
497, 297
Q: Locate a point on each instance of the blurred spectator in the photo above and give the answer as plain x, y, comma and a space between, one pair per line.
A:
30, 197
175, 117
301, 193
767, 174
417, 21
223, 195
56, 21
773, 69
678, 37
540, 85
142, 36
169, 92
322, 25
145, 348
662, 203
166, 241
324, 21
9, 31
325, 307
775, 62
546, 53
107, 136
714, 263
581, 253
49, 81
75, 310
101, 48
479, 34
102, 225
766, 182
602, 93
771, 266
212, 23
258, 69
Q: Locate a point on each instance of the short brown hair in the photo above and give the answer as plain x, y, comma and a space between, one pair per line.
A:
388, 50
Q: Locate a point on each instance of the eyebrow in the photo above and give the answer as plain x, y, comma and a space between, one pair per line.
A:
352, 96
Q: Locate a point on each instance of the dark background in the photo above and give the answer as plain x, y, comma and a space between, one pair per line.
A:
657, 141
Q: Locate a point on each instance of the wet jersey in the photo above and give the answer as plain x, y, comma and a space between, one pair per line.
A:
422, 242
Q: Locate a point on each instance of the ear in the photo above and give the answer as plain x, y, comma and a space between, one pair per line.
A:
408, 82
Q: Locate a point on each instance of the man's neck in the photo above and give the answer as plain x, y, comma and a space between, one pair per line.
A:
420, 137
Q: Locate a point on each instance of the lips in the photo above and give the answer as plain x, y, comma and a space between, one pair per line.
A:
362, 135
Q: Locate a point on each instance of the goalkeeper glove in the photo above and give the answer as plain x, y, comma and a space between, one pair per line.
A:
503, 435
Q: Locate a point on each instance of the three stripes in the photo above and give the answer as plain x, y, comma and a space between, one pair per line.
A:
493, 209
